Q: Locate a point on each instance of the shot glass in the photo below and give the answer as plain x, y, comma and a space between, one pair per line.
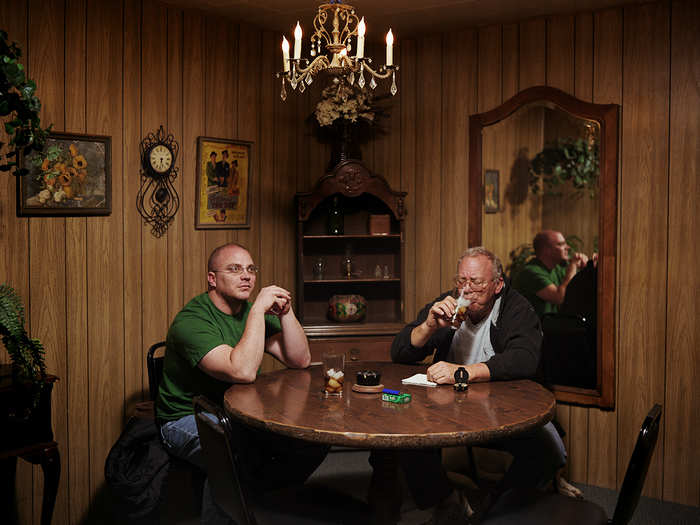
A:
333, 374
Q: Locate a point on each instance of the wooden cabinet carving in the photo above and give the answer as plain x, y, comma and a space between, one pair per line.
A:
377, 261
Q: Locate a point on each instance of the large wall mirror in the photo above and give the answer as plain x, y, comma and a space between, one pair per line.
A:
545, 160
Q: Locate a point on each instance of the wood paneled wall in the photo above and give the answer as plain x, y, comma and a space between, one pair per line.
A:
99, 290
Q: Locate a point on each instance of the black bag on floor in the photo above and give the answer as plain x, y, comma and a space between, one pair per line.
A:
136, 469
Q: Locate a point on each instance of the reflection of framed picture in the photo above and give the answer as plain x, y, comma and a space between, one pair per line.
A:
491, 189
223, 183
71, 176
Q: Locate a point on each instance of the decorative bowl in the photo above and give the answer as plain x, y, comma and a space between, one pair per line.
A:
347, 308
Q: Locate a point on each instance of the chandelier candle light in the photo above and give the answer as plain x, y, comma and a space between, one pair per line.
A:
338, 43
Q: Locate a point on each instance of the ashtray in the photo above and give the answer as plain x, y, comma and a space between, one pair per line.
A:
368, 378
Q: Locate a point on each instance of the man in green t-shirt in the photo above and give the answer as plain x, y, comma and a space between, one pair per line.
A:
217, 339
544, 279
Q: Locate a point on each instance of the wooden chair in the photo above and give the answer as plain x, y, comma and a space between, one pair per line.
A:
530, 507
305, 505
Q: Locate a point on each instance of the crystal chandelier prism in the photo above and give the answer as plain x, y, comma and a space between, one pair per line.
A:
336, 26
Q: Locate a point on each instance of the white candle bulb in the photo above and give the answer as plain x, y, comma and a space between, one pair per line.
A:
285, 54
361, 38
389, 48
297, 42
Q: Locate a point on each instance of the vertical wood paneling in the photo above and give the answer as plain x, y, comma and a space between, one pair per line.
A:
407, 85
193, 105
607, 60
387, 142
489, 68
105, 261
175, 255
458, 102
219, 97
135, 376
643, 230
532, 53
681, 461
47, 287
248, 125
510, 60
75, 466
428, 168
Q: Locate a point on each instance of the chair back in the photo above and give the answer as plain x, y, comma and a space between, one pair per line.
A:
154, 363
637, 469
216, 436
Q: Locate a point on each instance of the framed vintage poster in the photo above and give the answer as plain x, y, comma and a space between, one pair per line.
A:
224, 177
491, 191
70, 176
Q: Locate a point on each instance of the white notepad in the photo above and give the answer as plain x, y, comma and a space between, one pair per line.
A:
418, 379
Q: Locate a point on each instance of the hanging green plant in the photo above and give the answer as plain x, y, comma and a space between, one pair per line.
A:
570, 160
19, 108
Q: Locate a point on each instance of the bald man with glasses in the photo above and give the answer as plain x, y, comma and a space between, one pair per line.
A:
499, 338
219, 338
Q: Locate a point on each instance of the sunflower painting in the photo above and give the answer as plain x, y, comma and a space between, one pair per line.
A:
70, 176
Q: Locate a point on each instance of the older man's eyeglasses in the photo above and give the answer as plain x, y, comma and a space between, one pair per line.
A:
238, 269
476, 285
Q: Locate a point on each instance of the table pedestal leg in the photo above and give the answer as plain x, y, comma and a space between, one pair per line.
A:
385, 488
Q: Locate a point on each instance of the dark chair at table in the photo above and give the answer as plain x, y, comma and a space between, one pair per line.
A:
530, 507
298, 505
183, 477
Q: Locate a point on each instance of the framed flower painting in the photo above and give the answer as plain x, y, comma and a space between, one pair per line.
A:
70, 176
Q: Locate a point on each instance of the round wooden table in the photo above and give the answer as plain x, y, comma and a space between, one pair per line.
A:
291, 402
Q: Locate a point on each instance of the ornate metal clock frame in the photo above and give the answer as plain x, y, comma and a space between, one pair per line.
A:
157, 200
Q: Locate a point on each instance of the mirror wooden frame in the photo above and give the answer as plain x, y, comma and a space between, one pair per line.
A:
607, 116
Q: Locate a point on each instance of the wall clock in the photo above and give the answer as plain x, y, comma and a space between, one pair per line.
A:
157, 200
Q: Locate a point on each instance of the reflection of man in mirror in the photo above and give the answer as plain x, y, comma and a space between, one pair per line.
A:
499, 339
545, 278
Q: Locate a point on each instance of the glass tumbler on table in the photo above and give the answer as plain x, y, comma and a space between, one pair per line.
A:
461, 308
333, 374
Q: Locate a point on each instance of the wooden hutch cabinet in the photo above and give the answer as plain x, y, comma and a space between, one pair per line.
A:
376, 261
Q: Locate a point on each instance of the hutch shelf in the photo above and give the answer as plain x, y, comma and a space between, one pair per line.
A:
376, 261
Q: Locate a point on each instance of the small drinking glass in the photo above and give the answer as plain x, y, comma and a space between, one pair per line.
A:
333, 374
461, 308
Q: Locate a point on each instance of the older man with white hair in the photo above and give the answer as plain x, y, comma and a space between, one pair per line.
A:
498, 339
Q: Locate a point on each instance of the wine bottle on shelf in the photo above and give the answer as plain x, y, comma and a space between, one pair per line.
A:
336, 220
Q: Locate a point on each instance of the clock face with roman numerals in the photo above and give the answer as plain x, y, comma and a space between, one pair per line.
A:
160, 158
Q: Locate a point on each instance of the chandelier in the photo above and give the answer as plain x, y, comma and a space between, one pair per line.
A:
335, 25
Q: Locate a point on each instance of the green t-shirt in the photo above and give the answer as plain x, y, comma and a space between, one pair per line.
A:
198, 328
533, 278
